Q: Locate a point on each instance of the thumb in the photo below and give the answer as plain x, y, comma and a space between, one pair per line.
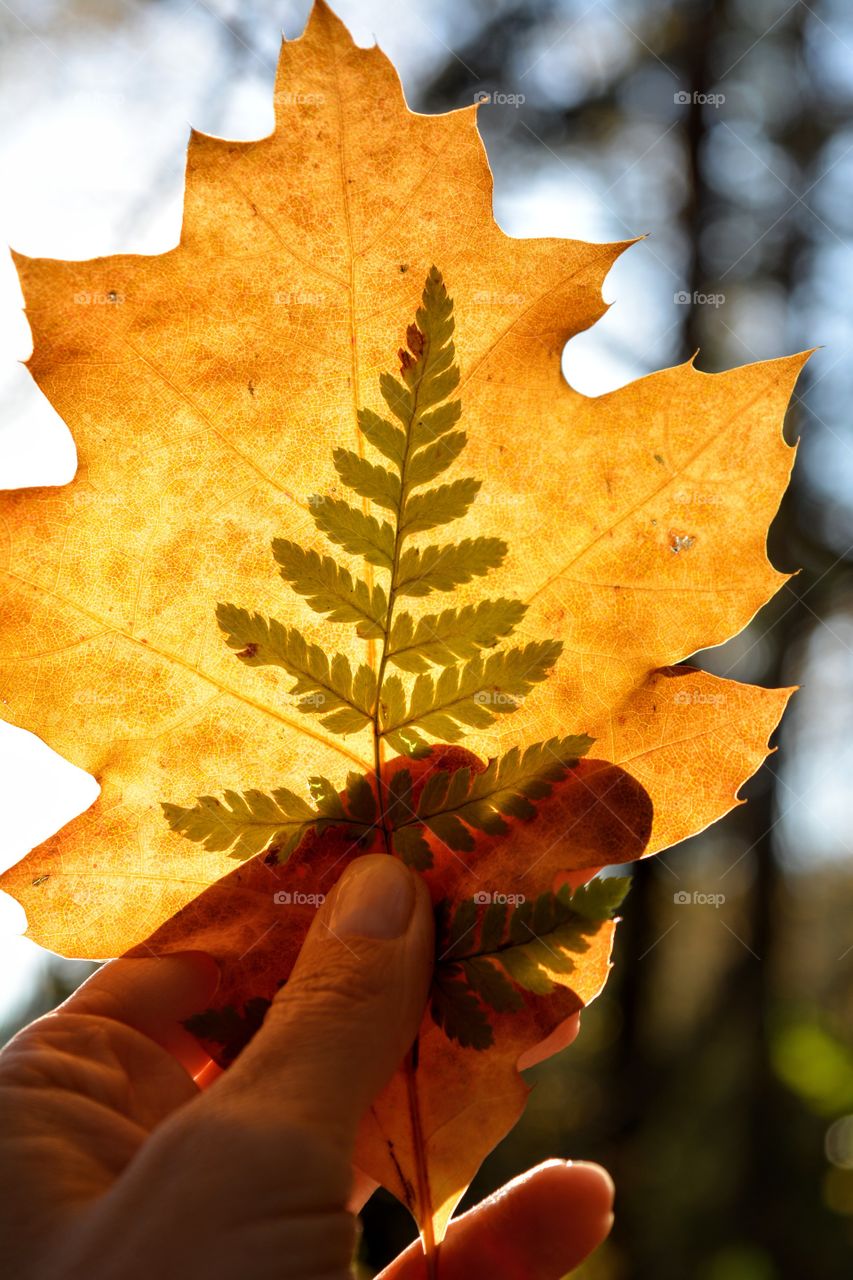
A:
340, 1026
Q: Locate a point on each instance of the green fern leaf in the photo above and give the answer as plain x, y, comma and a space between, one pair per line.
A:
508, 786
486, 956
326, 798
325, 687
425, 569
471, 689
398, 398
383, 435
492, 985
455, 1008
399, 807
330, 589
431, 426
439, 506
410, 844
442, 638
435, 459
368, 479
360, 799
600, 898
471, 696
358, 533
408, 742
245, 823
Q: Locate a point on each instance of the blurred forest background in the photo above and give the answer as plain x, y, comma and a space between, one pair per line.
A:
715, 1078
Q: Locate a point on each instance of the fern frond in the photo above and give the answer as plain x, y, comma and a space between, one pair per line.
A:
435, 507
383, 435
358, 533
330, 589
431, 426
330, 687
456, 1010
488, 954
435, 458
425, 569
398, 398
419, 441
251, 822
245, 823
360, 799
508, 787
368, 479
472, 695
441, 638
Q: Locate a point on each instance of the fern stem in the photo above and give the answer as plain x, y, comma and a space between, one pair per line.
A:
392, 599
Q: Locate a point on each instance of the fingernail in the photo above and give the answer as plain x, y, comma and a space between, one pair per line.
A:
374, 898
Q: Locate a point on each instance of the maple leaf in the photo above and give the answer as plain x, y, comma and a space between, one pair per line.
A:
225, 382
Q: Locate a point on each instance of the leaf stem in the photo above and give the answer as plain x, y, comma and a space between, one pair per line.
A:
399, 535
430, 1245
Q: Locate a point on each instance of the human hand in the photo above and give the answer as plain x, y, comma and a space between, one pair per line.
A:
123, 1156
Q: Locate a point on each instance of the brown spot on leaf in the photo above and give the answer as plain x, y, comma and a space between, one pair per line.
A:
415, 339
249, 652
